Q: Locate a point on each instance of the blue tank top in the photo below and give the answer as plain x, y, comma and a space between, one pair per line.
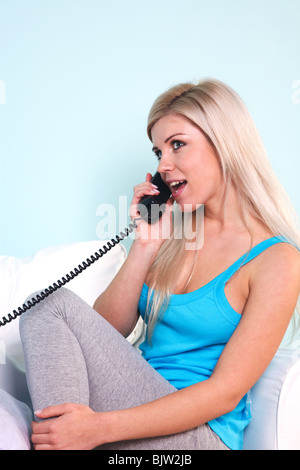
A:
190, 337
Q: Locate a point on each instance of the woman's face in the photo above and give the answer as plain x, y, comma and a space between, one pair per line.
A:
187, 161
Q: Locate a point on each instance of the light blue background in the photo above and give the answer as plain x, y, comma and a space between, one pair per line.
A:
80, 77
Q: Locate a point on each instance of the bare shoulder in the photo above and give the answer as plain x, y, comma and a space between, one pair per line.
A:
280, 262
284, 255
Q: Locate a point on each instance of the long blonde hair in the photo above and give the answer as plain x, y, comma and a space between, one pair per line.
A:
223, 117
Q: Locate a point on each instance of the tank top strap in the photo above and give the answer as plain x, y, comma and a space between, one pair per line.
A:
250, 255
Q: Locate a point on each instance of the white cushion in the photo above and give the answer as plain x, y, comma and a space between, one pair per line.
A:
15, 423
21, 277
275, 405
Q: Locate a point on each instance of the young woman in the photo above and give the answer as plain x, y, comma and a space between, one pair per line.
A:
216, 313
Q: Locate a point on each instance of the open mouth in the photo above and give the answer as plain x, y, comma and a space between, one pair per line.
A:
177, 187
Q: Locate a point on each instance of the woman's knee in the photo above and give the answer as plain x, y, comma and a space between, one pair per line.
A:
37, 306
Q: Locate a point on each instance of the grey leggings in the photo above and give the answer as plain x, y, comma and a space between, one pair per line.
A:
74, 355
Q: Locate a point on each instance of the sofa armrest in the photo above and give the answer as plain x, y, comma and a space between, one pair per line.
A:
275, 406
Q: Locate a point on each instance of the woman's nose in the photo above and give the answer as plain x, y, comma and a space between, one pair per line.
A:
165, 164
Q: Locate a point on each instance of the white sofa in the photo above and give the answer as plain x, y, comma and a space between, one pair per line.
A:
274, 399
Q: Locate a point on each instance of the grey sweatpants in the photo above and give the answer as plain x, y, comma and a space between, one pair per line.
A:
74, 355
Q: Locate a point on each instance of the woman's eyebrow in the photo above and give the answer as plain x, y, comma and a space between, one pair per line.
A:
174, 135
171, 136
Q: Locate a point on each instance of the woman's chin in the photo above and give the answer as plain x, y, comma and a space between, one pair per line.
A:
187, 207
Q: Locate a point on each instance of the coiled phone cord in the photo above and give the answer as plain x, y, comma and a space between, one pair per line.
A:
64, 280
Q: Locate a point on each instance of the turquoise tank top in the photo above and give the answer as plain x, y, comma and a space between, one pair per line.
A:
190, 337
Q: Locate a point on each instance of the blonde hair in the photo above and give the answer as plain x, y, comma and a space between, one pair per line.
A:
224, 119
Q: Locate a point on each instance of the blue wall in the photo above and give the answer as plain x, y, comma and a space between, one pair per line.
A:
77, 79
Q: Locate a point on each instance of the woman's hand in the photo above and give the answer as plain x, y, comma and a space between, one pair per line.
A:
73, 427
156, 233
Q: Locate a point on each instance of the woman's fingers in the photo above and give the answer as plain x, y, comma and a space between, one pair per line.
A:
143, 189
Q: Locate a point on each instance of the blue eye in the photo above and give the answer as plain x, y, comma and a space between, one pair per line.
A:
158, 154
177, 144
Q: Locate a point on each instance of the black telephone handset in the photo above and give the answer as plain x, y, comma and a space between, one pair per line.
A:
155, 204
154, 209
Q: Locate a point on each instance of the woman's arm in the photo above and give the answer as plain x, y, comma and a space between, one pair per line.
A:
118, 304
274, 290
